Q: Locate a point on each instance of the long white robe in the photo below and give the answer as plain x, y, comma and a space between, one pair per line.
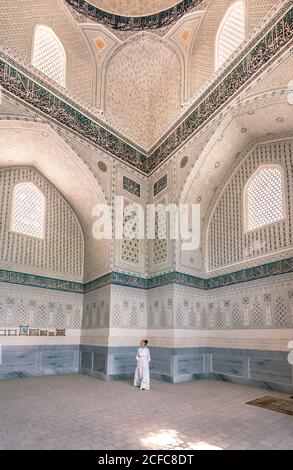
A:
142, 371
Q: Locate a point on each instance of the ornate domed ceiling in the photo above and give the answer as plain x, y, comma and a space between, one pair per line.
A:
135, 14
134, 7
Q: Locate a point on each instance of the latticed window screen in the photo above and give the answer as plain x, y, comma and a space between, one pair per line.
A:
231, 33
28, 210
49, 55
38, 205
264, 198
228, 241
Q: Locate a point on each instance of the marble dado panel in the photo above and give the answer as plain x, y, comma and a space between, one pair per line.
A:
26, 361
266, 369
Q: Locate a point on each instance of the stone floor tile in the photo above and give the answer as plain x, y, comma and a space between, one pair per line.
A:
80, 412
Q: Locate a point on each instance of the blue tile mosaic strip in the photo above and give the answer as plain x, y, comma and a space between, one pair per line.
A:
250, 274
18, 81
160, 185
33, 280
131, 186
259, 272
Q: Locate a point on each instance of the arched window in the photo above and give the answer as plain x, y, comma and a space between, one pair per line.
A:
231, 33
49, 54
264, 198
28, 210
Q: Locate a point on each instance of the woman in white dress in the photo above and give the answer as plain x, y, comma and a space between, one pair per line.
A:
142, 371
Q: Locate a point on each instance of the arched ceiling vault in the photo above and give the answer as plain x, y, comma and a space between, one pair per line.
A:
137, 71
39, 146
240, 127
151, 114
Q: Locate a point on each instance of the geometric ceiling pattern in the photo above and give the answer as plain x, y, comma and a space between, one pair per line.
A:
276, 36
139, 101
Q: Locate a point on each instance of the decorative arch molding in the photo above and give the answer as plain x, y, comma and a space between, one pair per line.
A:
106, 197
127, 152
195, 170
24, 116
242, 105
277, 144
50, 232
213, 160
110, 46
183, 36
39, 145
100, 54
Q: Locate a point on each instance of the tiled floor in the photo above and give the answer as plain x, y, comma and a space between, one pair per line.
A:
80, 412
